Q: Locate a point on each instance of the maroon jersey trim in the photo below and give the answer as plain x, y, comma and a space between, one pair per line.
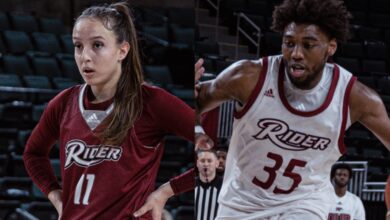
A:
184, 182
342, 147
335, 79
255, 92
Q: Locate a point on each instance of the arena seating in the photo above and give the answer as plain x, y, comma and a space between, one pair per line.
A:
36, 62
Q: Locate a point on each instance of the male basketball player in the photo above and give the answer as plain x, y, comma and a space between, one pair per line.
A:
291, 116
346, 205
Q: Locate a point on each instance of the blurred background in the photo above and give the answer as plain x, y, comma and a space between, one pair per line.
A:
36, 62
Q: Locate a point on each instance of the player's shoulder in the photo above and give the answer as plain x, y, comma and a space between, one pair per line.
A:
252, 69
65, 95
247, 66
150, 92
58, 105
157, 98
240, 74
353, 196
363, 100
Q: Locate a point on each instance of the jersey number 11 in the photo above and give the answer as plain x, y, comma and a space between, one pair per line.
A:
77, 196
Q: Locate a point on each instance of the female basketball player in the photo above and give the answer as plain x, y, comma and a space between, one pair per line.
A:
110, 129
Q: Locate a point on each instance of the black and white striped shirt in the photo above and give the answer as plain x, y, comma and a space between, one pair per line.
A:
206, 196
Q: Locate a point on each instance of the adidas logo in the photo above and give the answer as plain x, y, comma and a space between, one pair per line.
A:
269, 93
93, 118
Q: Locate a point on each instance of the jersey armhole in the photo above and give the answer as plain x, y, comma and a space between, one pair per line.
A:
345, 115
255, 92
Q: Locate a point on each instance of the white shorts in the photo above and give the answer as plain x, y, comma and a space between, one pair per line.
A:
296, 215
291, 214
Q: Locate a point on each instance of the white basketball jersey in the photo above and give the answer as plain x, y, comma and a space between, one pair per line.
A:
280, 158
348, 207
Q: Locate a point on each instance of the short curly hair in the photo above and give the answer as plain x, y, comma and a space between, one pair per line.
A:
330, 15
338, 166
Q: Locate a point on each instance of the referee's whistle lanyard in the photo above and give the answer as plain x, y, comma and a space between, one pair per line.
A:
205, 174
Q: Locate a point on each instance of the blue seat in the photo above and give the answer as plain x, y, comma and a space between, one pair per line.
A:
4, 22
39, 82
370, 66
52, 25
24, 22
18, 42
67, 43
10, 80
42, 210
376, 51
350, 64
16, 64
8, 207
69, 68
159, 75
351, 50
46, 42
46, 66
62, 83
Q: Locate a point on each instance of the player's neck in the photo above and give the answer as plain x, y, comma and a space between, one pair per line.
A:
102, 94
341, 191
310, 84
207, 179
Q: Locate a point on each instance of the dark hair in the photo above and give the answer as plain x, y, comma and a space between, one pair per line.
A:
330, 15
340, 166
128, 95
206, 151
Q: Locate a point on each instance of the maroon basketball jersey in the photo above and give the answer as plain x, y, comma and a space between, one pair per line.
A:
101, 181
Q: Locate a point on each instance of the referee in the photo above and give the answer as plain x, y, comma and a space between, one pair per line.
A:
208, 185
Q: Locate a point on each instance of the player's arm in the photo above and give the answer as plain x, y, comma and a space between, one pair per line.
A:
156, 201
37, 162
234, 83
367, 107
171, 115
360, 213
184, 182
37, 150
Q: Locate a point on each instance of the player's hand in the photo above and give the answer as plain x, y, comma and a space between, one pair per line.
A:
199, 70
55, 198
203, 142
155, 202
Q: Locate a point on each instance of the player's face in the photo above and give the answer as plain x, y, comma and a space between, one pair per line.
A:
306, 49
207, 163
222, 160
97, 53
341, 177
